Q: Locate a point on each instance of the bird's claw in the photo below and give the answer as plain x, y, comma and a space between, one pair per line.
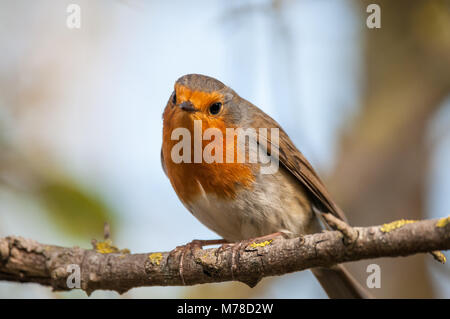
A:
193, 245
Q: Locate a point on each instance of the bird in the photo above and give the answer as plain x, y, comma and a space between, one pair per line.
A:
242, 199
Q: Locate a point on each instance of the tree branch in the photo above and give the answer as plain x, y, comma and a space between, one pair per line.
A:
24, 260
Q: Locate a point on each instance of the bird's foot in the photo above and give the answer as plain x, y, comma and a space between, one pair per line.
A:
194, 245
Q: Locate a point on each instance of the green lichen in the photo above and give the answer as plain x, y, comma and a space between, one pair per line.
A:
386, 228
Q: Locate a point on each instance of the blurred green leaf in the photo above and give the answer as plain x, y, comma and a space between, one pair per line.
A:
76, 210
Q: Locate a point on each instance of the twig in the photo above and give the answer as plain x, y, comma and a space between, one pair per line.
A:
350, 234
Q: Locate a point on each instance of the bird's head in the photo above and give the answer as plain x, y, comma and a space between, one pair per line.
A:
200, 97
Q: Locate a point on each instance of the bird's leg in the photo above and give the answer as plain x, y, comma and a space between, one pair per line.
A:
236, 247
195, 244
270, 236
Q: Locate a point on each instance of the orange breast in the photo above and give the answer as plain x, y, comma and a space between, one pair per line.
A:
222, 179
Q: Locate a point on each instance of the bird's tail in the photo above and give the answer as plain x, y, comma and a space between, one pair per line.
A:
339, 284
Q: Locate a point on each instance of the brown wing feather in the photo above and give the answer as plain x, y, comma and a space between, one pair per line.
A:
294, 161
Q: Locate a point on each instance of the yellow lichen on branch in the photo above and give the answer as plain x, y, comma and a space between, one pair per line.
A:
264, 243
155, 258
439, 256
386, 228
443, 222
106, 247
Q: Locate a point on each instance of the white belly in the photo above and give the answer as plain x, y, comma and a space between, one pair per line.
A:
276, 203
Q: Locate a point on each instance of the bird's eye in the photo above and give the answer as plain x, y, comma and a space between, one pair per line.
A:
174, 98
215, 108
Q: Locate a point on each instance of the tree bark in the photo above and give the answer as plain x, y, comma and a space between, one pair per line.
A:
24, 260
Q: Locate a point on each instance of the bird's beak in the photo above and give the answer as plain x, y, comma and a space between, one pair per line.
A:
188, 107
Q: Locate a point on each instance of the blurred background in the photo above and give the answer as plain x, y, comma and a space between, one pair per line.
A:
80, 121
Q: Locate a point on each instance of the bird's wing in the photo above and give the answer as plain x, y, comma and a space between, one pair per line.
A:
294, 161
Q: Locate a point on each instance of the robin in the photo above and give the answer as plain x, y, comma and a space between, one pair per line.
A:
237, 199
